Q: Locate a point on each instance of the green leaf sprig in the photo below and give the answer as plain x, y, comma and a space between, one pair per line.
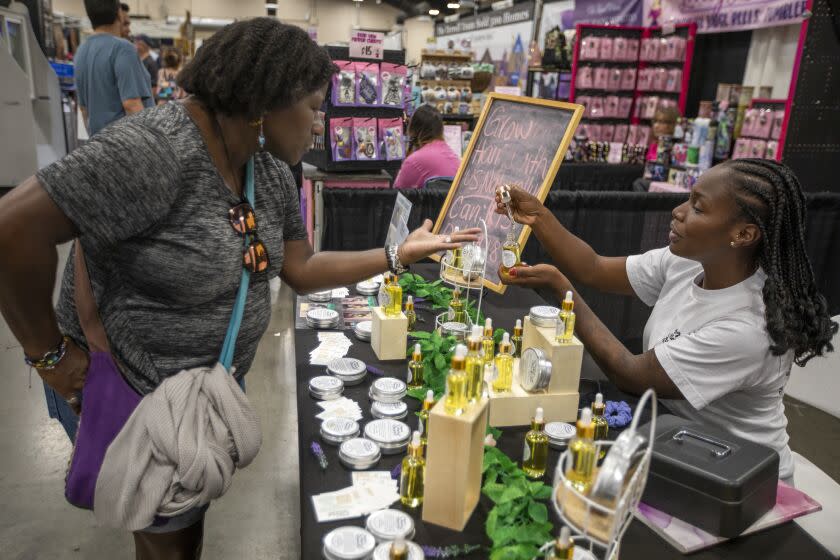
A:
437, 355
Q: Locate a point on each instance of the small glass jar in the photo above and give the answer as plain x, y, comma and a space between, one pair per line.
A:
559, 434
544, 315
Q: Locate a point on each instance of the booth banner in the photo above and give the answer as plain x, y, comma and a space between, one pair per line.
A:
716, 16
612, 12
519, 13
556, 14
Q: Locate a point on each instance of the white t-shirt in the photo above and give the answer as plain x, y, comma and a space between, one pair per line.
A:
714, 346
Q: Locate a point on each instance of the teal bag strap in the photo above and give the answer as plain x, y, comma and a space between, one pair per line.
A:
226, 357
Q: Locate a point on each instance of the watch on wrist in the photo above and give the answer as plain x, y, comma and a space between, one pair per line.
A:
392, 255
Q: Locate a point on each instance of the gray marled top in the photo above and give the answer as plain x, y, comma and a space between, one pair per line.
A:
165, 262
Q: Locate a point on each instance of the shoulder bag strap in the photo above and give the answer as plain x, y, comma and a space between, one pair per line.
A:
86, 310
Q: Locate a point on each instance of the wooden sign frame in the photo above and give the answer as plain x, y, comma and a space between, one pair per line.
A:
577, 113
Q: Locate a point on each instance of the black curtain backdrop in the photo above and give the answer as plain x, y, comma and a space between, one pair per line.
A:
719, 58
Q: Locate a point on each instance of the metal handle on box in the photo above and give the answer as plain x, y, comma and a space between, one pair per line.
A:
723, 452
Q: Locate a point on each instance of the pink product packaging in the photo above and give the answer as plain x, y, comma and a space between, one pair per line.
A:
750, 120
341, 139
772, 149
392, 78
674, 80
650, 50
632, 49
645, 79
584, 77
614, 83
607, 132
657, 82
632, 132
589, 48
679, 48
365, 146
585, 101
391, 135
763, 124
597, 107
628, 79
615, 152
602, 76
595, 132
637, 109
611, 107
605, 49
344, 83
757, 148
620, 48
650, 107
367, 83
778, 121
742, 148
625, 104
643, 134
620, 133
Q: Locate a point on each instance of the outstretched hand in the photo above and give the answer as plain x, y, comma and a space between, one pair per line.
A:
525, 207
537, 276
422, 242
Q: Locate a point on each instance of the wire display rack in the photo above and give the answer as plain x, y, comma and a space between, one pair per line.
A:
468, 276
599, 523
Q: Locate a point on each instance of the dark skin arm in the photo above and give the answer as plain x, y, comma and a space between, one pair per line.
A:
631, 373
571, 254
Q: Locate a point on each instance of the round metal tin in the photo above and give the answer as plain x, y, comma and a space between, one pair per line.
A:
472, 259
388, 390
326, 387
388, 524
359, 453
622, 458
348, 543
383, 551
394, 411
544, 315
350, 370
338, 430
390, 435
363, 330
454, 328
367, 288
535, 371
320, 297
322, 318
559, 434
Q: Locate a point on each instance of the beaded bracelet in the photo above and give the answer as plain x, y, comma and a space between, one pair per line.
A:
51, 358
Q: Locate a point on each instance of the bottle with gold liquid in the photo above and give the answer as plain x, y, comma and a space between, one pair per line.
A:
457, 312
535, 453
455, 400
504, 366
516, 340
566, 321
602, 427
474, 365
398, 550
423, 417
511, 252
488, 345
415, 369
413, 473
564, 547
410, 313
394, 298
457, 261
383, 297
582, 447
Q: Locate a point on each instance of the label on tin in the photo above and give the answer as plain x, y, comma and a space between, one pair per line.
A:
390, 524
364, 327
508, 258
359, 448
390, 409
387, 431
325, 383
350, 541
340, 426
346, 366
559, 430
322, 314
389, 385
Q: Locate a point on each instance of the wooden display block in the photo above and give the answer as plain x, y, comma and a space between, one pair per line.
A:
517, 407
453, 465
389, 335
566, 359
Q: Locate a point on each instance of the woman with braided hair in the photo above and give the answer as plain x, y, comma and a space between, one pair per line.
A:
733, 296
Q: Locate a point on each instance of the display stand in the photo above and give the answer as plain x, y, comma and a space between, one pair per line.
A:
473, 281
761, 130
444, 69
600, 526
389, 335
454, 458
559, 400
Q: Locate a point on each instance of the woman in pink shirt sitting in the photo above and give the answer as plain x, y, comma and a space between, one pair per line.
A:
429, 155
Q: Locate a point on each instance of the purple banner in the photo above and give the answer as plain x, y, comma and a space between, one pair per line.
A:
716, 16
612, 12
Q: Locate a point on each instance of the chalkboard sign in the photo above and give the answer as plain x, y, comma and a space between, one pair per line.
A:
520, 141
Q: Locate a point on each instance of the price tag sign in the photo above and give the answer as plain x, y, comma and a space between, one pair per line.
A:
367, 44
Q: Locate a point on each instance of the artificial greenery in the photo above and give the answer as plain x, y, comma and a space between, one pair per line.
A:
437, 293
437, 354
518, 524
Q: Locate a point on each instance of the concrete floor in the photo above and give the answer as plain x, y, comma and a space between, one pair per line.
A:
258, 518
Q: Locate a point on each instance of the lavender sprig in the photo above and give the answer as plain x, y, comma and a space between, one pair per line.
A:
316, 450
452, 551
396, 471
375, 370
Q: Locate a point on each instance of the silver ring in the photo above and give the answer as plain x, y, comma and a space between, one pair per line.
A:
448, 239
73, 400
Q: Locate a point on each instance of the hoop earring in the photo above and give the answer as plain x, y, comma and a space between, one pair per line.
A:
732, 244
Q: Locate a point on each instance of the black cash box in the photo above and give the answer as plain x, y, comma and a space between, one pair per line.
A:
710, 478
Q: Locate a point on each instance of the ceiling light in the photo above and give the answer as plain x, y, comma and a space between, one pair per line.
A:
454, 5
271, 5
434, 12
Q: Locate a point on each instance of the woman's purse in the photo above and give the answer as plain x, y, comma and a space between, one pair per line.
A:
107, 399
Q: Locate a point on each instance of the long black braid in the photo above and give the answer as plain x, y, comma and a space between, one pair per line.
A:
769, 195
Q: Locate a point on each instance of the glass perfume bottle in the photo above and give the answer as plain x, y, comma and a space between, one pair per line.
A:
457, 313
413, 473
488, 345
564, 547
566, 320
394, 298
398, 550
415, 369
582, 447
383, 297
602, 427
457, 260
516, 340
504, 366
535, 452
410, 313
511, 252
455, 401
423, 417
474, 365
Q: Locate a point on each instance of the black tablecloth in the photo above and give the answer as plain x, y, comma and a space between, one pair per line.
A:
639, 541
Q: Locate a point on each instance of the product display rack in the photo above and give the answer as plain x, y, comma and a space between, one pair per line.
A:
433, 62
323, 158
453, 276
758, 140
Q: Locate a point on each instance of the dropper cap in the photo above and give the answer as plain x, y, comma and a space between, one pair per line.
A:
415, 438
488, 325
409, 301
565, 536
585, 427
505, 345
518, 325
430, 396
458, 357
538, 416
417, 351
460, 351
598, 407
476, 332
568, 303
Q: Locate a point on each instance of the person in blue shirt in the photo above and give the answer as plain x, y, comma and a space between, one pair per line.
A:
111, 82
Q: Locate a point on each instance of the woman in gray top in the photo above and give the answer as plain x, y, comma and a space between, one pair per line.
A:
150, 200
